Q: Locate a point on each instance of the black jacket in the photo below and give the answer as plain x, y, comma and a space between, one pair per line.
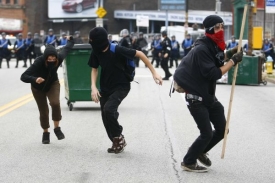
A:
39, 69
200, 69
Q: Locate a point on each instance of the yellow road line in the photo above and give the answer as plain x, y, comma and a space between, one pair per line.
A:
19, 102
8, 105
15, 106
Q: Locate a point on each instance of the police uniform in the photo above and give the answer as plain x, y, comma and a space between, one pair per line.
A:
4, 51
20, 50
166, 49
37, 45
174, 52
157, 48
29, 48
50, 39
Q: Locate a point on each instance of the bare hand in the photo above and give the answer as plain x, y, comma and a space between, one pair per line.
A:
165, 55
39, 80
157, 79
95, 95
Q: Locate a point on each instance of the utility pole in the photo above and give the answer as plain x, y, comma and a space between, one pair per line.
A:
218, 6
186, 17
250, 27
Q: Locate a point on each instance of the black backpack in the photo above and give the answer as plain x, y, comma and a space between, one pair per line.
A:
128, 67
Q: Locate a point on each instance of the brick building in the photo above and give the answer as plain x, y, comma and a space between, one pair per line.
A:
34, 16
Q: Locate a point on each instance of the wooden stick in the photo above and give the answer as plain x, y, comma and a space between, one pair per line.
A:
233, 83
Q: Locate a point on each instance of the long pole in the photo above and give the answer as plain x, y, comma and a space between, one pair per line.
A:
233, 83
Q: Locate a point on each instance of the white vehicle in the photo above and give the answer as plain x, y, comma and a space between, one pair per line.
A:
179, 33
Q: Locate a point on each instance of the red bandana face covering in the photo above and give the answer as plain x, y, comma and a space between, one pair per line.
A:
218, 38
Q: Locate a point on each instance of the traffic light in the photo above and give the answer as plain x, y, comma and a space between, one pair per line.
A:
255, 6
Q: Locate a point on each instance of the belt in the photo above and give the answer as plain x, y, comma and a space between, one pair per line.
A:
193, 97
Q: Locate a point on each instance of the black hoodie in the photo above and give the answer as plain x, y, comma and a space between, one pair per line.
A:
40, 69
200, 69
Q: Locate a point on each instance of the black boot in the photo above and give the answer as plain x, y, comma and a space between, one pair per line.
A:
0, 63
8, 63
16, 63
59, 133
46, 138
25, 63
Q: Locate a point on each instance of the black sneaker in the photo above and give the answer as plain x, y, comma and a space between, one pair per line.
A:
112, 149
46, 138
119, 144
59, 133
193, 168
204, 159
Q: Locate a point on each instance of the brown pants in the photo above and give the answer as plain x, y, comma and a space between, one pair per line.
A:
41, 100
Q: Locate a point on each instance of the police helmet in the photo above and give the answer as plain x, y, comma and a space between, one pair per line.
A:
141, 33
20, 35
124, 32
77, 32
3, 33
29, 34
232, 37
173, 36
164, 33
63, 34
109, 35
50, 30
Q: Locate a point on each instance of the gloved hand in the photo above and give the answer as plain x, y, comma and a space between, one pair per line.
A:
231, 52
237, 57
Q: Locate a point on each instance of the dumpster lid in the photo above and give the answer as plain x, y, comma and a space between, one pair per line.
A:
78, 47
82, 46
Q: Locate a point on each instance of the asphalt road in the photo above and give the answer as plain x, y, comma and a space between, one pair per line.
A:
158, 130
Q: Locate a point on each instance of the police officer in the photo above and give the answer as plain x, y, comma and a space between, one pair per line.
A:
232, 44
110, 38
77, 38
175, 51
20, 50
4, 51
126, 41
63, 40
141, 44
156, 49
37, 45
50, 38
165, 53
187, 44
268, 50
29, 47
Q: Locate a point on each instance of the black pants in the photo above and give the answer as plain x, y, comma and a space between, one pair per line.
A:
109, 106
208, 138
156, 57
174, 56
7, 59
164, 66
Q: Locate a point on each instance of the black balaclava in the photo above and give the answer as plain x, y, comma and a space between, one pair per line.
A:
50, 50
98, 39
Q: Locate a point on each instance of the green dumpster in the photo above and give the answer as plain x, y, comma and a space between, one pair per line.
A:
77, 75
249, 72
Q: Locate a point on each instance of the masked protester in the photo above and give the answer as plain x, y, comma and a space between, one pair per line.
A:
197, 75
114, 83
42, 75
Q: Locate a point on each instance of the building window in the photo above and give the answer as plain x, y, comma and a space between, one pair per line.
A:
8, 1
15, 1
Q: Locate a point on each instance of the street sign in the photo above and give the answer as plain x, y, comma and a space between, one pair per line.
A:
99, 22
101, 12
172, 4
142, 21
